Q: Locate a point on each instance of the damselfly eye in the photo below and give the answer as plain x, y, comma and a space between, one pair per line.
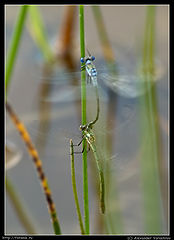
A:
93, 58
82, 60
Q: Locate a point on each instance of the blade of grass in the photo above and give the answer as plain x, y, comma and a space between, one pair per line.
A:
38, 32
8, 71
75, 188
83, 103
38, 164
10, 62
161, 163
19, 207
14, 44
150, 133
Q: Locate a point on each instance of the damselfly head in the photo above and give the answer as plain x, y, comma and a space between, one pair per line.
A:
87, 59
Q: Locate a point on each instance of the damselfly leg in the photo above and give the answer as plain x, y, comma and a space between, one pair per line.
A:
90, 139
77, 145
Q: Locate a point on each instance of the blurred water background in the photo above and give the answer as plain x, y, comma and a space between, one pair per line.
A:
47, 120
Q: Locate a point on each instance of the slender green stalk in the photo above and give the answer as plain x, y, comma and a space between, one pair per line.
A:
19, 208
8, 71
11, 57
148, 47
150, 137
83, 101
38, 33
75, 188
12, 52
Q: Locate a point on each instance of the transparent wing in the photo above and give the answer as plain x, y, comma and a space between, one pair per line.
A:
130, 86
116, 166
65, 86
58, 131
51, 137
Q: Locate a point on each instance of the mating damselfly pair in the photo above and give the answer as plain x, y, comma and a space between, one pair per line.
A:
129, 86
63, 113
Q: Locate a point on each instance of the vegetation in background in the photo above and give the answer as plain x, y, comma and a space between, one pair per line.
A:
19, 207
150, 133
150, 137
14, 44
113, 221
38, 32
25, 136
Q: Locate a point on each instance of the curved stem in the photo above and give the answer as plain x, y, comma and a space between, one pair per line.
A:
38, 164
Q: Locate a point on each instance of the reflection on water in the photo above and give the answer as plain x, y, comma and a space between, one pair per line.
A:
12, 156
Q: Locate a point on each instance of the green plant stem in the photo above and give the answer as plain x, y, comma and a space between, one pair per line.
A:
12, 52
38, 33
75, 188
83, 103
150, 133
11, 57
19, 208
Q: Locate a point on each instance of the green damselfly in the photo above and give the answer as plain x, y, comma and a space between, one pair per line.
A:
88, 135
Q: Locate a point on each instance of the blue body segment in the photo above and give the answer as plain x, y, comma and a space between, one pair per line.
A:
90, 68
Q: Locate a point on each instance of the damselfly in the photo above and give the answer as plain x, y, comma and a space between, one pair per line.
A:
90, 68
92, 76
88, 135
127, 83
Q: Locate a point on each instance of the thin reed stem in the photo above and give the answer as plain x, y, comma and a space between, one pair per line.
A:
14, 44
38, 164
83, 103
150, 137
75, 188
38, 33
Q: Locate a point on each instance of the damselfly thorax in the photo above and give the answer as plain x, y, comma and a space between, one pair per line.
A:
89, 136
